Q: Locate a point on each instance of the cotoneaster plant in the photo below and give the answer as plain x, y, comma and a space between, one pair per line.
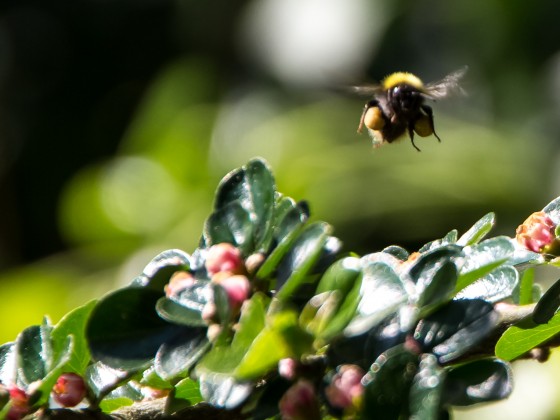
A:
270, 318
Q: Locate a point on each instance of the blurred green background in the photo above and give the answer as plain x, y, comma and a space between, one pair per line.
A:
118, 118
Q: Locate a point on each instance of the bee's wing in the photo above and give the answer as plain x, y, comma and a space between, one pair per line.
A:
366, 90
449, 85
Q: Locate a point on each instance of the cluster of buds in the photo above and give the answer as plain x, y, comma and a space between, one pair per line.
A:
537, 234
300, 402
346, 389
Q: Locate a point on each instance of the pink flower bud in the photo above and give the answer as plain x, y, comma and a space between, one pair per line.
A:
179, 281
287, 368
300, 402
537, 232
69, 390
238, 290
19, 400
224, 257
346, 389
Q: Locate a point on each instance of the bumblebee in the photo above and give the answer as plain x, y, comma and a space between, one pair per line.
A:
398, 106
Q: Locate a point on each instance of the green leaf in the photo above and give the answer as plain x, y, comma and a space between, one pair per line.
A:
524, 292
111, 404
185, 394
438, 287
101, 379
382, 293
495, 286
479, 381
387, 385
455, 328
482, 258
32, 355
232, 224
178, 355
282, 337
124, 330
158, 271
340, 276
172, 311
524, 336
478, 231
426, 389
73, 324
428, 264
547, 305
300, 259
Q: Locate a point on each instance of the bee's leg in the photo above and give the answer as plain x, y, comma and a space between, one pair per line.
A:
428, 110
367, 106
411, 135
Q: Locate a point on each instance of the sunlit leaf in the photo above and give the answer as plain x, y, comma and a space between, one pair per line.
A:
426, 389
478, 231
221, 390
381, 293
552, 209
158, 272
232, 224
524, 336
186, 393
493, 287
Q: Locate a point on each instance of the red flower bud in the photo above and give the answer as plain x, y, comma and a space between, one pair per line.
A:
537, 232
238, 290
300, 402
224, 257
346, 389
19, 400
69, 390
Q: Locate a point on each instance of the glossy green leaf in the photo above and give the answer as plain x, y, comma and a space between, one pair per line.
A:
158, 272
479, 381
397, 252
426, 389
438, 287
524, 336
232, 224
455, 328
478, 231
548, 304
388, 383
124, 330
262, 189
381, 294
428, 264
222, 390
319, 310
8, 363
482, 258
493, 287
300, 259
32, 355
73, 324
172, 311
552, 209
178, 355
102, 379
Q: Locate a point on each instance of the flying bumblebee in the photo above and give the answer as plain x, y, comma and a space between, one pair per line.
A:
398, 106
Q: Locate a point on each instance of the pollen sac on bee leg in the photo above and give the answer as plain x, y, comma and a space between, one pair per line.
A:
423, 126
373, 118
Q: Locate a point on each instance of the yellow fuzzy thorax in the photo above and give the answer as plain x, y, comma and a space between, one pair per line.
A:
400, 77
